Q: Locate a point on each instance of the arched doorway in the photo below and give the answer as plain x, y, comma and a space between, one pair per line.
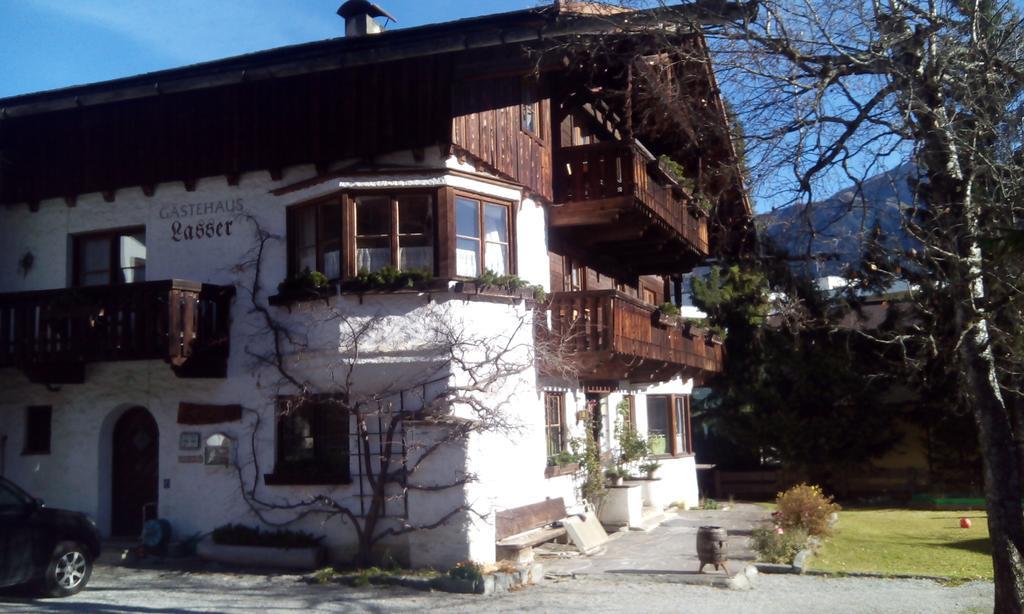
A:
134, 468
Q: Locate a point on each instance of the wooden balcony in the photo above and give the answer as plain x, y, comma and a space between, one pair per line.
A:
616, 210
52, 334
614, 336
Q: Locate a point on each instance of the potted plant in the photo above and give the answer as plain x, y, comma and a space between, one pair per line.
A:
667, 314
305, 285
562, 459
650, 468
692, 327
388, 278
616, 475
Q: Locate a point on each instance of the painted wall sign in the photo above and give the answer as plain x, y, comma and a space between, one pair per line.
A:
196, 225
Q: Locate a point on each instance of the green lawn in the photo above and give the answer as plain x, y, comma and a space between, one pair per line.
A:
893, 541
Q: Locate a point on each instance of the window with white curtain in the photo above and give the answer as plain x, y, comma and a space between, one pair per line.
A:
473, 248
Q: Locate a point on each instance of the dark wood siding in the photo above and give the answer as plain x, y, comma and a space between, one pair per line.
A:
486, 124
262, 125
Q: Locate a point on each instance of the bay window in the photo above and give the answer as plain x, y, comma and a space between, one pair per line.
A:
442, 232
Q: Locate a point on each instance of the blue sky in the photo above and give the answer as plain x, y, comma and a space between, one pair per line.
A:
48, 44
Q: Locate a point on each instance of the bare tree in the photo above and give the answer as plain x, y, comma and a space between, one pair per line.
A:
415, 384
830, 93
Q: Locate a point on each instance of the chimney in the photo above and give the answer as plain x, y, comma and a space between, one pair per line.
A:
360, 17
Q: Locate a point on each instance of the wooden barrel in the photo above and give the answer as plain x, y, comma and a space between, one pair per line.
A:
711, 543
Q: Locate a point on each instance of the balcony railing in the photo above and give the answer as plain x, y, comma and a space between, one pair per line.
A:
50, 334
617, 336
604, 171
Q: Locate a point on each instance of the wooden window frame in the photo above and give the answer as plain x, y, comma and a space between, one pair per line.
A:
570, 267
530, 97
559, 398
686, 447
452, 245
394, 232
111, 234
284, 474
291, 232
347, 200
35, 415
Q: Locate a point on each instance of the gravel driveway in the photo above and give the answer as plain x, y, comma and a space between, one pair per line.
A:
119, 590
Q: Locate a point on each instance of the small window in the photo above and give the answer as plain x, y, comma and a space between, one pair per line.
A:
529, 109
476, 251
650, 296
669, 417
37, 429
110, 257
554, 420
659, 421
314, 233
575, 275
312, 439
681, 443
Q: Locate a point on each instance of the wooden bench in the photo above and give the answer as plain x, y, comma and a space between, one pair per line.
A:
517, 530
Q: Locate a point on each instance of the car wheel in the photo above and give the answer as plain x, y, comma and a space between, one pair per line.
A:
68, 571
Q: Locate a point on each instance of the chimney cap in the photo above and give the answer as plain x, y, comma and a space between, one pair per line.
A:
351, 8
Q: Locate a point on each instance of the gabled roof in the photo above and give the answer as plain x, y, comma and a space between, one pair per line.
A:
562, 18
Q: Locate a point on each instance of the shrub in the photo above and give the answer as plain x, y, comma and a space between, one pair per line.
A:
708, 504
777, 545
805, 507
241, 535
467, 570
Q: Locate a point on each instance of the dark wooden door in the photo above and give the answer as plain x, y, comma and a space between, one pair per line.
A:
135, 468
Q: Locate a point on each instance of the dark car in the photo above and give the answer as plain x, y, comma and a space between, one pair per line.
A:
51, 549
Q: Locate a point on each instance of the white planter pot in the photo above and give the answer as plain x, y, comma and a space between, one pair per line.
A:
622, 506
261, 556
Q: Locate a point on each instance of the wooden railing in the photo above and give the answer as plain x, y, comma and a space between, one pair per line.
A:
610, 321
608, 170
159, 320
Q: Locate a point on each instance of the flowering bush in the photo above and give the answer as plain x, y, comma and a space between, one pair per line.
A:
805, 507
777, 545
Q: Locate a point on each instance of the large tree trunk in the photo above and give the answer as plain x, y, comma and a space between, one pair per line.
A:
1001, 471
991, 414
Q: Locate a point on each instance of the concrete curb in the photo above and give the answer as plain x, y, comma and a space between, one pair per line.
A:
497, 582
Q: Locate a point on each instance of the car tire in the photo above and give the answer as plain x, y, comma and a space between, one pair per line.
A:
69, 570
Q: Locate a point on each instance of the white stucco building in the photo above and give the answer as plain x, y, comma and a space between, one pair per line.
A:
148, 222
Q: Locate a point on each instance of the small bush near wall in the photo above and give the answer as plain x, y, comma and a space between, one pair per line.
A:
805, 507
241, 535
777, 545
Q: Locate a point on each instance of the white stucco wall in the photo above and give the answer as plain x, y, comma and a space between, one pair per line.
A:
194, 497
509, 463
